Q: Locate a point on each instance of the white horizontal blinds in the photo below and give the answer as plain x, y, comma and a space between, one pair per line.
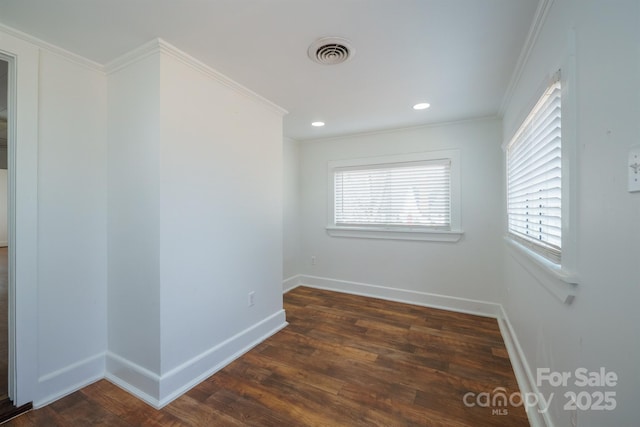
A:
534, 177
398, 194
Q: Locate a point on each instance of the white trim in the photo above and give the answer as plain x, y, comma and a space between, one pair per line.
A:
133, 378
191, 373
133, 56
395, 234
75, 58
570, 156
419, 156
130, 370
561, 280
160, 46
558, 281
425, 299
23, 216
534, 31
291, 283
160, 390
522, 370
60, 383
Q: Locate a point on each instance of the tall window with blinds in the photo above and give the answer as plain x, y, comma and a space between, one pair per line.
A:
409, 194
534, 177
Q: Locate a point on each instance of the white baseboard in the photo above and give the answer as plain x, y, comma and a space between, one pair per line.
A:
58, 384
461, 305
290, 283
158, 390
184, 377
522, 370
133, 378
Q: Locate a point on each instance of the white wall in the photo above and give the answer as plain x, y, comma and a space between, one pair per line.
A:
220, 212
291, 209
469, 269
600, 329
71, 222
163, 160
133, 218
195, 222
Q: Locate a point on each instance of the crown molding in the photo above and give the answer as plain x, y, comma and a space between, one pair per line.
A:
154, 46
133, 56
160, 46
534, 31
75, 58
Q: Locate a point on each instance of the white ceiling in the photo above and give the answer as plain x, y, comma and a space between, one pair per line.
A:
459, 55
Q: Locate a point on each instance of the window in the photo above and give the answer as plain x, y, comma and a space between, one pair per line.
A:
399, 194
412, 197
534, 177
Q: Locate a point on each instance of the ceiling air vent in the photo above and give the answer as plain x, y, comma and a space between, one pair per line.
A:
330, 50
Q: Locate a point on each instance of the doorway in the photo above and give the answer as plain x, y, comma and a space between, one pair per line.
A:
22, 167
8, 168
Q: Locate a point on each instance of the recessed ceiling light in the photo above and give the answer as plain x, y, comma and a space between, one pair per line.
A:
422, 106
317, 124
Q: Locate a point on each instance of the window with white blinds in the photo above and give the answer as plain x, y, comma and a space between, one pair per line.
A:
534, 177
408, 194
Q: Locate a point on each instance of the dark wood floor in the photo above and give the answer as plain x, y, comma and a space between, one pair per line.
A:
343, 361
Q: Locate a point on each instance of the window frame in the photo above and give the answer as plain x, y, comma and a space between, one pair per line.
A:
543, 248
396, 232
561, 279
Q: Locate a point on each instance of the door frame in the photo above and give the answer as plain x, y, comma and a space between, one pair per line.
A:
22, 145
11, 105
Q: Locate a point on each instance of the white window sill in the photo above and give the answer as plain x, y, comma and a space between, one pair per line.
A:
395, 233
558, 281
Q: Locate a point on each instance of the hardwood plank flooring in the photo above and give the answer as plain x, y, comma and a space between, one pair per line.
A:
343, 360
8, 410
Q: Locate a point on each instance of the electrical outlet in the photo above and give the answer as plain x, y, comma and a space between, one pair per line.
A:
252, 297
313, 260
